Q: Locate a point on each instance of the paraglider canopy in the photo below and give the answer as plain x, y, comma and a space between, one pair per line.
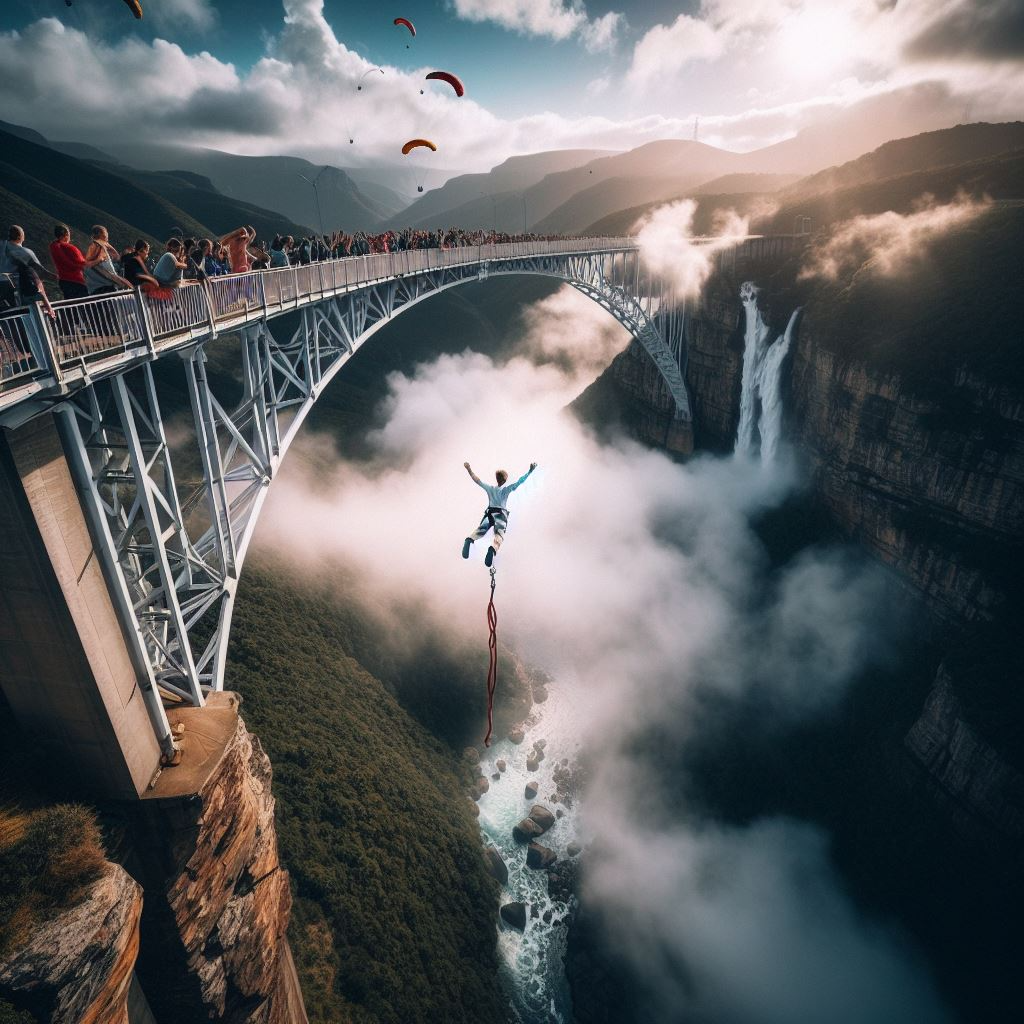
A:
359, 87
133, 5
452, 80
414, 143
407, 23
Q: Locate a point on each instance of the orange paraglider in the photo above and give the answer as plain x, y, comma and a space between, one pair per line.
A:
133, 5
452, 80
413, 143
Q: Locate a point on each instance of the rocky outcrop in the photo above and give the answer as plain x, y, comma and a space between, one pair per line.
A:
77, 966
220, 909
539, 857
525, 830
971, 778
542, 816
496, 866
514, 915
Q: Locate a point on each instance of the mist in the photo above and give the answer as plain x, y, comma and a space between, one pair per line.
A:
888, 243
644, 580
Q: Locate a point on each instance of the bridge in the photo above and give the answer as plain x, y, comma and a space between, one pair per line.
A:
115, 582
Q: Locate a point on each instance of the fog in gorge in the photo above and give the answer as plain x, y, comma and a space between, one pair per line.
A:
647, 581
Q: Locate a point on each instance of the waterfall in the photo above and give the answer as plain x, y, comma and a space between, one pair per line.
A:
761, 384
755, 337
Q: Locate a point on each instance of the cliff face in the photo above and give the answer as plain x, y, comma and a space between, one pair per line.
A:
218, 901
967, 775
77, 966
940, 499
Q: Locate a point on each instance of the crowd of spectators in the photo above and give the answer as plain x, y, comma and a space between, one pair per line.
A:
104, 268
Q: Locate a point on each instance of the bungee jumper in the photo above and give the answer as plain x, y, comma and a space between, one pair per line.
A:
496, 514
496, 519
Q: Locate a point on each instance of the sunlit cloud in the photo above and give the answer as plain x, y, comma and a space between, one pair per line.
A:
556, 19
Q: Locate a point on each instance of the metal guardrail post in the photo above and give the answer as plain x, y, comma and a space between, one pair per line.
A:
147, 327
42, 344
208, 301
263, 294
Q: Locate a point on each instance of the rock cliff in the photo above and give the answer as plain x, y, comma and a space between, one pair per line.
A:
77, 966
968, 775
217, 898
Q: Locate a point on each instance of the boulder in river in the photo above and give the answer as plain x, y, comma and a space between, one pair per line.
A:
526, 830
531, 790
573, 849
496, 866
514, 914
540, 744
517, 736
532, 764
480, 787
559, 813
501, 764
562, 880
542, 816
496, 776
471, 755
539, 857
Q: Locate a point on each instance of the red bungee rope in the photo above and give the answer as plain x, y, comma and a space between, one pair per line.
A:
492, 671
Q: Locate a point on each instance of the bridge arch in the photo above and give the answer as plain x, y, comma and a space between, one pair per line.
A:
173, 555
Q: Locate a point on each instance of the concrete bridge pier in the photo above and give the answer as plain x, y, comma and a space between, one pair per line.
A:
65, 666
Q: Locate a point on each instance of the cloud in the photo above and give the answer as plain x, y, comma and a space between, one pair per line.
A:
556, 19
667, 243
887, 243
666, 49
199, 15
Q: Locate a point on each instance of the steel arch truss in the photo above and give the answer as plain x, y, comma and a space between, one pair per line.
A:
174, 548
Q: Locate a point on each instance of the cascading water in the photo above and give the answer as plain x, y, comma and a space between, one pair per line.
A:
761, 383
532, 965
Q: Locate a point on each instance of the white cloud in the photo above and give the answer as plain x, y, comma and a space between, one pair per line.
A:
602, 33
176, 14
666, 49
556, 19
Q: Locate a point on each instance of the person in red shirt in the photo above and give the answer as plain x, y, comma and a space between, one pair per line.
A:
69, 263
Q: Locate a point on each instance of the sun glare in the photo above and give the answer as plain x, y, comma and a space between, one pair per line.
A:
817, 43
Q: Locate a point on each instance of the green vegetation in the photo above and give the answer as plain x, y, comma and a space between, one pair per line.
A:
394, 919
48, 859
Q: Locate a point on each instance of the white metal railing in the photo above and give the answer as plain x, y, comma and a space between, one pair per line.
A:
17, 360
85, 329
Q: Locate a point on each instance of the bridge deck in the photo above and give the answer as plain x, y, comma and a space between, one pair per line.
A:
104, 335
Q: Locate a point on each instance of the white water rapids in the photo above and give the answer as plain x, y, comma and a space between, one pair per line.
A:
534, 974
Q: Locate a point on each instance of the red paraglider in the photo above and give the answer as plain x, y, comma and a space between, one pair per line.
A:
407, 23
447, 76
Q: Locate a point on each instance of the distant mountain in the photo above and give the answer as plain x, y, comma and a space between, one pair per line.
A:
51, 187
80, 150
513, 175
196, 195
947, 147
735, 184
270, 182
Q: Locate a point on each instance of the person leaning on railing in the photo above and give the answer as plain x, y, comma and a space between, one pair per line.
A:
14, 253
101, 276
136, 271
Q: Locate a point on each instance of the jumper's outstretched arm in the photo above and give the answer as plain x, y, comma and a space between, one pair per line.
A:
473, 475
525, 476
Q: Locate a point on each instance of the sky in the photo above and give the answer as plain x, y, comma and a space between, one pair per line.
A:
276, 76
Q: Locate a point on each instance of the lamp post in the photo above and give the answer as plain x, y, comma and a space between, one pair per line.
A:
316, 196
